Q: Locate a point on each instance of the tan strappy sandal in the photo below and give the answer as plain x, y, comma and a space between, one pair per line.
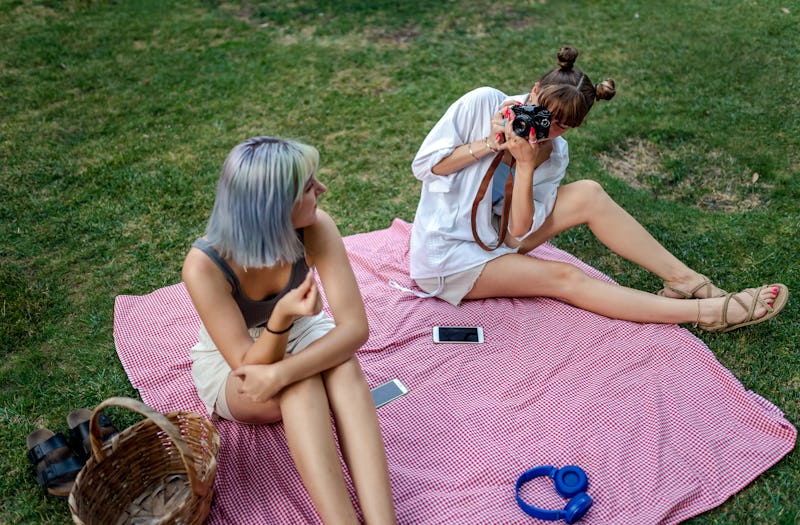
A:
724, 326
705, 283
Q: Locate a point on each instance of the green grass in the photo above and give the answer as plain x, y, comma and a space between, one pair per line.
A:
115, 118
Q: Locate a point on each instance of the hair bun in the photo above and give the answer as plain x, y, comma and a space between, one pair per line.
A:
567, 56
606, 89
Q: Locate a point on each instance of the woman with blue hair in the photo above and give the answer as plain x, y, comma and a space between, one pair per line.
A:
266, 351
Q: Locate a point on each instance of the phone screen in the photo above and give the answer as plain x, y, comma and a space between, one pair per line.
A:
387, 392
457, 334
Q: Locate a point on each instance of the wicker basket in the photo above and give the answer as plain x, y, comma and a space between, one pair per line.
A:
160, 470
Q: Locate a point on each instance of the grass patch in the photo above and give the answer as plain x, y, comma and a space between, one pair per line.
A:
115, 118
707, 180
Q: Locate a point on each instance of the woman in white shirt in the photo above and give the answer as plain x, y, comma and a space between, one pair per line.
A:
447, 262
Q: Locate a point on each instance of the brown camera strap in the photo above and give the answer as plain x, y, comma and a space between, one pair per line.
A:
485, 183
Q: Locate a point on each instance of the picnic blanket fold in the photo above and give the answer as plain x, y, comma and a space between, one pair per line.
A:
663, 430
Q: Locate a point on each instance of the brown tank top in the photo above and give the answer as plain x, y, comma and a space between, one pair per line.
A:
255, 313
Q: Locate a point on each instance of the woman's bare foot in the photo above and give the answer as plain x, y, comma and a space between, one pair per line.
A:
692, 286
721, 314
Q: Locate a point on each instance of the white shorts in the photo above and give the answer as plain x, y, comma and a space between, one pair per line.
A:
454, 287
210, 371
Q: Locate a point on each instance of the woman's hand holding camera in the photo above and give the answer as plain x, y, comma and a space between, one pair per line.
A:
524, 151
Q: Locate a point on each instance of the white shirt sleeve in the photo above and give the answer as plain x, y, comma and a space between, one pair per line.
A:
468, 119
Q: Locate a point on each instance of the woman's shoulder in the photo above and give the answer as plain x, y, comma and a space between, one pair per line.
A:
484, 94
199, 266
480, 101
324, 219
322, 239
323, 228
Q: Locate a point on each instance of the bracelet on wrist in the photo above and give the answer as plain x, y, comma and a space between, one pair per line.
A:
488, 144
469, 148
278, 332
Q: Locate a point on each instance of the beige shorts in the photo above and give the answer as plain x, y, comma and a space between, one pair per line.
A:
210, 371
454, 287
457, 285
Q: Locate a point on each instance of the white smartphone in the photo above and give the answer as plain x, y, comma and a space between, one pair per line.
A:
457, 334
387, 392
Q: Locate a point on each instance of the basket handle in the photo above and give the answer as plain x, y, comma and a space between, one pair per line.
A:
160, 420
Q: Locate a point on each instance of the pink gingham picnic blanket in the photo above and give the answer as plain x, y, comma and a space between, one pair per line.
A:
662, 429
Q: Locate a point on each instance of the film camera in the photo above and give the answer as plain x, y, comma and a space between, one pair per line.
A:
527, 117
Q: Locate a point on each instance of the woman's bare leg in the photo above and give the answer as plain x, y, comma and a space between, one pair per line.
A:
360, 440
307, 422
516, 275
585, 202
247, 411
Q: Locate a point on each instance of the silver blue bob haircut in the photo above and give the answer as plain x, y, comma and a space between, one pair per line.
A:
261, 180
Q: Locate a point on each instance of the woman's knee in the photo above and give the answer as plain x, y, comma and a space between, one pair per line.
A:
588, 193
272, 412
349, 372
577, 202
302, 390
566, 279
257, 413
245, 410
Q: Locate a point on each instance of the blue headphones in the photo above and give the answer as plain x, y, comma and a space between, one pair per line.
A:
570, 483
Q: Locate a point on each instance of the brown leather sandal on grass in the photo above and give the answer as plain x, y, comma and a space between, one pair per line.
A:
55, 464
705, 283
772, 311
78, 421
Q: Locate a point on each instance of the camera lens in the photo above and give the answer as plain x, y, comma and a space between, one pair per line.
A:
522, 125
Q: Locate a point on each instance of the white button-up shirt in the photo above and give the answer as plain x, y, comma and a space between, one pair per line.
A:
441, 239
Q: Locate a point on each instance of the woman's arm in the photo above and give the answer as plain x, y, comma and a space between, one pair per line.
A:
271, 344
211, 295
520, 217
465, 123
464, 155
325, 250
528, 156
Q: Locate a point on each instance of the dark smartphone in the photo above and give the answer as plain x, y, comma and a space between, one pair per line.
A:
457, 334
